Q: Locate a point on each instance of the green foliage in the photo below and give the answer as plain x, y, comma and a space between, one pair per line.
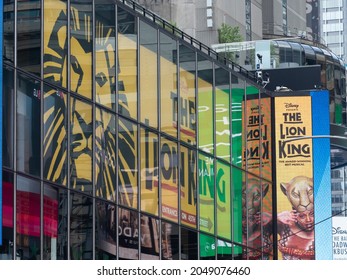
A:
229, 34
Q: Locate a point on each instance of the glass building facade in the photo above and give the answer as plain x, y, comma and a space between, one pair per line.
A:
122, 140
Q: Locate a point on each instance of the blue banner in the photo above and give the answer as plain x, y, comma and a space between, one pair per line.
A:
322, 174
1, 34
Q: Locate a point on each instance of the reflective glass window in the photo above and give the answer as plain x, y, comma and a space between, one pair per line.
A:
8, 29
28, 125
238, 96
81, 47
28, 219
55, 223
149, 172
205, 105
105, 154
169, 241
81, 145
127, 63
224, 250
55, 135
55, 42
127, 163
105, 53
168, 85
187, 96
8, 117
189, 244
252, 119
188, 185
223, 200
128, 234
29, 36
149, 238
238, 227
206, 193
169, 179
257, 218
207, 245
7, 247
222, 111
81, 227
148, 75
105, 231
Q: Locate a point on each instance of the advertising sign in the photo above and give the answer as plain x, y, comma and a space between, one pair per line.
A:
1, 129
294, 177
339, 238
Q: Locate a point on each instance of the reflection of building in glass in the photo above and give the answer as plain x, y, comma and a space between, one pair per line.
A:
132, 138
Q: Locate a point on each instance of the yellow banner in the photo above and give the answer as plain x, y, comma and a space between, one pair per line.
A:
294, 177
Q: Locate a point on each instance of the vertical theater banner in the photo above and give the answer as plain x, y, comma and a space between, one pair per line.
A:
303, 177
294, 177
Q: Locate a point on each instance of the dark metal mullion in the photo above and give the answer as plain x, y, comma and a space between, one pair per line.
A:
244, 115
197, 153
159, 140
215, 156
41, 135
94, 127
178, 134
138, 134
68, 102
15, 135
116, 93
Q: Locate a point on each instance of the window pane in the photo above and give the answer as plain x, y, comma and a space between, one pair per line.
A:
168, 85
8, 117
28, 219
207, 247
169, 180
206, 102
55, 217
81, 145
149, 238
81, 46
187, 102
237, 95
105, 231
189, 245
105, 154
29, 36
8, 38
206, 193
81, 227
222, 111
169, 241
127, 163
55, 136
149, 172
223, 189
28, 125
128, 235
55, 46
127, 63
148, 75
6, 250
105, 66
188, 186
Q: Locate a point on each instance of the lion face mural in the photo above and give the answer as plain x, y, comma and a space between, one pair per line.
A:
299, 192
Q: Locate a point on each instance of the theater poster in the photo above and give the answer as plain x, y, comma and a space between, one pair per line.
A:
303, 175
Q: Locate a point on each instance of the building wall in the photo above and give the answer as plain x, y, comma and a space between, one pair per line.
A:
125, 141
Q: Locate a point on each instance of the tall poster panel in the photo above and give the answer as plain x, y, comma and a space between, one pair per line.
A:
321, 174
339, 238
294, 178
1, 33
